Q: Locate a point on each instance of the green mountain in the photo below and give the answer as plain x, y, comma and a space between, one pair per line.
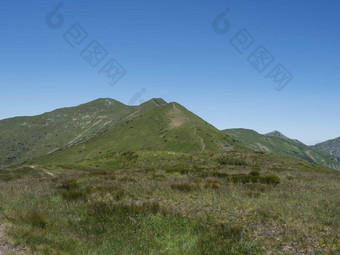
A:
331, 147
277, 134
169, 127
24, 138
278, 144
105, 126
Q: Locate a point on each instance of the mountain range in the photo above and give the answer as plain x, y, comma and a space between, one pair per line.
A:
280, 145
331, 147
105, 126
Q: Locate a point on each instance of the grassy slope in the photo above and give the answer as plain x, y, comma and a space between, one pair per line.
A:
167, 128
173, 203
23, 138
331, 147
283, 147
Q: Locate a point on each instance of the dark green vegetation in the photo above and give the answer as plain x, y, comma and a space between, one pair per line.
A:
170, 127
111, 125
23, 138
105, 126
174, 203
331, 147
280, 145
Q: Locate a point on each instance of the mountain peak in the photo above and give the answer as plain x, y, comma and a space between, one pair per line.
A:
280, 145
103, 102
158, 101
278, 134
331, 147
152, 103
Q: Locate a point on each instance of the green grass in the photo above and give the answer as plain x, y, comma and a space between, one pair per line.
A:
17, 173
151, 131
174, 203
285, 147
24, 138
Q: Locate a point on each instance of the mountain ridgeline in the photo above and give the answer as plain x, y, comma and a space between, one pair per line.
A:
280, 145
108, 125
331, 147
98, 129
24, 138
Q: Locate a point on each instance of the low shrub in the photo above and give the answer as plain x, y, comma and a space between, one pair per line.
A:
150, 207
111, 177
74, 194
259, 152
36, 219
244, 178
123, 209
7, 178
278, 169
213, 180
179, 170
158, 177
195, 179
207, 173
183, 186
270, 179
68, 184
117, 192
99, 173
225, 160
254, 173
289, 177
213, 185
219, 174
258, 187
128, 179
129, 156
229, 231
253, 178
253, 194
204, 173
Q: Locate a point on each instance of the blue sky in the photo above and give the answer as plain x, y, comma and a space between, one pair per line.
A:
171, 50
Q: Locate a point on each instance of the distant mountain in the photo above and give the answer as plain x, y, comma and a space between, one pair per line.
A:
169, 127
331, 147
24, 138
278, 144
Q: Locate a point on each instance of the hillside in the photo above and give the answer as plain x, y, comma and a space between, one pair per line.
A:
280, 145
24, 138
170, 127
277, 134
157, 179
331, 147
147, 202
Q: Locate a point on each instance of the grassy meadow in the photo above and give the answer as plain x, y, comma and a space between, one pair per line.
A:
173, 203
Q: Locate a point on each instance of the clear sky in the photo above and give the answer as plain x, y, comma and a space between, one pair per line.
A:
170, 49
